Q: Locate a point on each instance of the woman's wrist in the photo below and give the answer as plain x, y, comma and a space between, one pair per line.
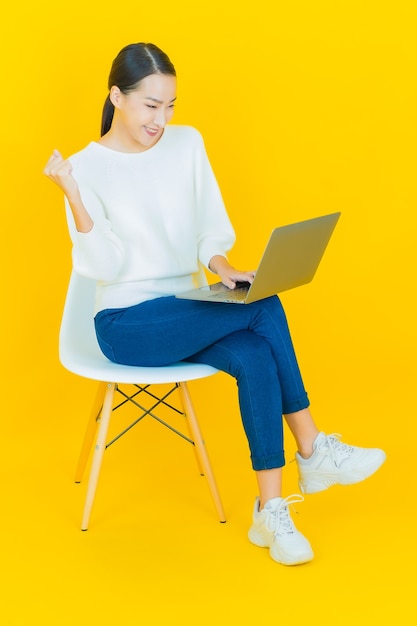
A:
218, 264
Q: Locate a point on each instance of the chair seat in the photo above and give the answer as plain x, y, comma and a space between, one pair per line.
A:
96, 366
80, 353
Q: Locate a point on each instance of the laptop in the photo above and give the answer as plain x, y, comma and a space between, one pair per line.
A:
290, 259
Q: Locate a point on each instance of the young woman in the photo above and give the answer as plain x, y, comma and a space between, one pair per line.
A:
145, 216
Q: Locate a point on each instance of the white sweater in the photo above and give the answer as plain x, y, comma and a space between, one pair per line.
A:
158, 218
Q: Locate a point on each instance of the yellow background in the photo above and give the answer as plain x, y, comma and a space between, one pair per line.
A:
306, 108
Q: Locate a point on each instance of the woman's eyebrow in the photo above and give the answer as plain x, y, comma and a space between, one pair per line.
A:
158, 101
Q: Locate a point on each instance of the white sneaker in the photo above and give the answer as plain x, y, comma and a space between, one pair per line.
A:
334, 462
273, 528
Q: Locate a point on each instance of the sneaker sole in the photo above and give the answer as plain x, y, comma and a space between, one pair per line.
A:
300, 561
327, 480
258, 540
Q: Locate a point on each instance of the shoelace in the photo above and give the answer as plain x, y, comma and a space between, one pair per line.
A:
279, 519
338, 450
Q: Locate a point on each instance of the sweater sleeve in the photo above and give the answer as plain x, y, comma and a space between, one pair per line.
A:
215, 232
99, 253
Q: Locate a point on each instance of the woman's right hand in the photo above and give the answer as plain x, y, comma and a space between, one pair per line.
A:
59, 170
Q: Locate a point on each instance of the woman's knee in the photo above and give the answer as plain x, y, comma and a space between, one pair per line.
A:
272, 305
248, 354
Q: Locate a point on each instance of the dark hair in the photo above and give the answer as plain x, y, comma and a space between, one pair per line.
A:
133, 64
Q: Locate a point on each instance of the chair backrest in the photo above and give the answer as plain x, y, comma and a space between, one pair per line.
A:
77, 334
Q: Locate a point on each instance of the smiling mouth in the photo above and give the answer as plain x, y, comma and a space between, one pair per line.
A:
151, 131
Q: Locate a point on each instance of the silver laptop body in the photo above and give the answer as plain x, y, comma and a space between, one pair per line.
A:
290, 259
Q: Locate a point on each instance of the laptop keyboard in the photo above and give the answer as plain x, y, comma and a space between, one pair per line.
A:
239, 293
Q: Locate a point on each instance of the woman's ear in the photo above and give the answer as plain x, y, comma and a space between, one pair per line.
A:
115, 96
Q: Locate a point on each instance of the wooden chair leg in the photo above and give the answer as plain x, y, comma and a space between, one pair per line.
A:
201, 449
99, 449
90, 432
190, 429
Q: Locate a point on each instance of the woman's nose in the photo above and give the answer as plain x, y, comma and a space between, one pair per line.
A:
160, 118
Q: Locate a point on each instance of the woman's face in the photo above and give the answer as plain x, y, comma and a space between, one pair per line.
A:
141, 115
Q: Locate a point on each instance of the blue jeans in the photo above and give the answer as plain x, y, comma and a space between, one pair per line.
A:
251, 342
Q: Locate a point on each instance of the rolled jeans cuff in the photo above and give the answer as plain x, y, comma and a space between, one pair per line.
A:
296, 405
269, 462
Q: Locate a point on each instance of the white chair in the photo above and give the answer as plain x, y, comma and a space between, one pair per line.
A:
79, 353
